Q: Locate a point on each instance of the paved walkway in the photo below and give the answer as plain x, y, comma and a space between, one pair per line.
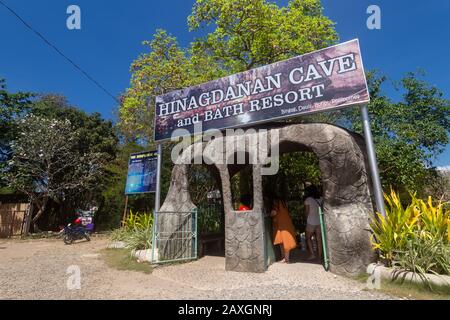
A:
37, 269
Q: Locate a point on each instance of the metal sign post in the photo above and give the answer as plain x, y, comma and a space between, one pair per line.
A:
125, 210
158, 179
379, 200
155, 255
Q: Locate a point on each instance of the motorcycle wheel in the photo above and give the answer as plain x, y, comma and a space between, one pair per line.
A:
86, 235
67, 239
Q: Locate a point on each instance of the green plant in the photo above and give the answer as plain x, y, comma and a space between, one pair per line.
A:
139, 239
414, 238
118, 234
393, 232
424, 255
136, 232
434, 220
139, 220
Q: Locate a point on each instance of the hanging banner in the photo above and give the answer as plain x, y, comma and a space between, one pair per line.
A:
323, 80
142, 171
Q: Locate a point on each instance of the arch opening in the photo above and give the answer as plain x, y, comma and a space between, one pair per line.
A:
298, 169
205, 190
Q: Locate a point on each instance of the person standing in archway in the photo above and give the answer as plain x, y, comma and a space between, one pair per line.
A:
313, 202
283, 228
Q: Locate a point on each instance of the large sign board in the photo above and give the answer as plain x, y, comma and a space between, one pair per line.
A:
323, 80
142, 172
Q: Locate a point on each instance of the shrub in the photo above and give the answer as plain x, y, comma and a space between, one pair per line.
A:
434, 218
415, 237
424, 254
393, 232
136, 232
139, 221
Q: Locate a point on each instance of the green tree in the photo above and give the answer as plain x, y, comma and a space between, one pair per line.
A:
94, 136
408, 134
252, 33
12, 105
95, 133
165, 68
247, 34
243, 34
46, 163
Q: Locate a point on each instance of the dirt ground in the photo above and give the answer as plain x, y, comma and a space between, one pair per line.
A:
38, 269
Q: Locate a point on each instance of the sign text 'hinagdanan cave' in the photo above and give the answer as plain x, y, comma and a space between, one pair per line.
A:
323, 80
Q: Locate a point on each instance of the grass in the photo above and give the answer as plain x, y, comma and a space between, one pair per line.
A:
411, 290
121, 259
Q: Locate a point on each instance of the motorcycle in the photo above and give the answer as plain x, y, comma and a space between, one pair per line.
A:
74, 232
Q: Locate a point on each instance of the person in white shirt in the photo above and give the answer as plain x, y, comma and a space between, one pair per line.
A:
313, 202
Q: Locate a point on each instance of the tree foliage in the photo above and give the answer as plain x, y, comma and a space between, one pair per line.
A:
243, 34
58, 154
409, 134
165, 68
247, 34
46, 162
95, 133
12, 105
252, 33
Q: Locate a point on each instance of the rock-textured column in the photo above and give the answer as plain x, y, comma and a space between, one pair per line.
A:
244, 241
244, 231
175, 224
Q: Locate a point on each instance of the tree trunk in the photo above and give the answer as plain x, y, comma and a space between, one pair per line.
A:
36, 218
35, 226
41, 207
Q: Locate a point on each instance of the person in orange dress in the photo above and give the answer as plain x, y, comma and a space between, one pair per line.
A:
283, 228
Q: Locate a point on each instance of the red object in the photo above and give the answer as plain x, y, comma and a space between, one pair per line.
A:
78, 221
243, 207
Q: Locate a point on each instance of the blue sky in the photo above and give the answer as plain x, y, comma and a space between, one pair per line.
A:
413, 35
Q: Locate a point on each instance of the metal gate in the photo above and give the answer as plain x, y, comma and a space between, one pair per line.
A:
174, 236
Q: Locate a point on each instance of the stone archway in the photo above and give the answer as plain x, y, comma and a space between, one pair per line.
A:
347, 194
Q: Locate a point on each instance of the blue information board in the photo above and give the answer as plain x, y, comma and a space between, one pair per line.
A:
142, 171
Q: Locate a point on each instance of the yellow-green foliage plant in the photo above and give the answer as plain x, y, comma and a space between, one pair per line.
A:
393, 232
435, 221
404, 224
136, 231
138, 220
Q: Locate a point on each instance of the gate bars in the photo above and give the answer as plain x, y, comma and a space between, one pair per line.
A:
174, 236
